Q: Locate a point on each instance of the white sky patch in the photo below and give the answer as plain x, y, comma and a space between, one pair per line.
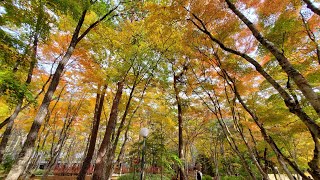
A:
250, 13
2, 10
9, 31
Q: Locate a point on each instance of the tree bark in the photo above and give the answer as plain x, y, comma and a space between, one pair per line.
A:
94, 132
106, 142
110, 157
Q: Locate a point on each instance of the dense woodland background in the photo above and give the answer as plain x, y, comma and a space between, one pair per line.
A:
233, 85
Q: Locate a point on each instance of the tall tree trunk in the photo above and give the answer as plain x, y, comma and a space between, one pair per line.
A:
94, 132
26, 151
109, 166
106, 143
33, 164
122, 149
27, 148
111, 153
180, 126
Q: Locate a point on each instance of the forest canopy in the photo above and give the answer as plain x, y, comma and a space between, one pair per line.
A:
230, 88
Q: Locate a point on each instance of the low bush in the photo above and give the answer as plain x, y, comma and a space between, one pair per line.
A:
233, 178
206, 177
38, 172
137, 177
7, 163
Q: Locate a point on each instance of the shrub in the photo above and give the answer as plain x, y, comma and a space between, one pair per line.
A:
38, 172
206, 177
137, 177
232, 178
7, 163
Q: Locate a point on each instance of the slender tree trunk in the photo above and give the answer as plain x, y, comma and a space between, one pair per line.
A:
216, 110
233, 145
6, 134
255, 150
5, 122
122, 149
180, 126
239, 129
281, 158
251, 154
106, 142
56, 149
52, 161
109, 166
110, 157
215, 159
94, 132
222, 151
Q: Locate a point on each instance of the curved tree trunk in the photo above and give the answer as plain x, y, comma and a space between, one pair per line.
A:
293, 107
298, 78
27, 148
281, 158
